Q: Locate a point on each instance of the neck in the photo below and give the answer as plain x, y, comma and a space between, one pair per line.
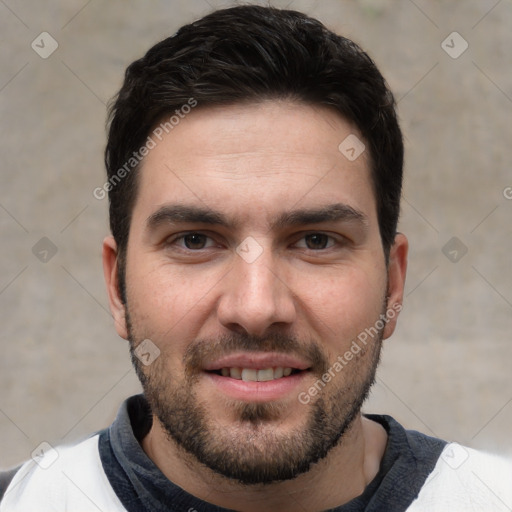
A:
337, 479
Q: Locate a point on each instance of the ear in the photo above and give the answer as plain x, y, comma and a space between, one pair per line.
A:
110, 267
397, 269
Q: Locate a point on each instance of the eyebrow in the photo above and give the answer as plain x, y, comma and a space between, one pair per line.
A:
337, 212
176, 214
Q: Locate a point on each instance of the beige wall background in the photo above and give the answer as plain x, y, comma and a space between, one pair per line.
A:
446, 371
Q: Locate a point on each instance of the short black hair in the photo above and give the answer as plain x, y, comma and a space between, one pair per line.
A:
243, 54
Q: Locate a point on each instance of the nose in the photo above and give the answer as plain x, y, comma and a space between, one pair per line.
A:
255, 297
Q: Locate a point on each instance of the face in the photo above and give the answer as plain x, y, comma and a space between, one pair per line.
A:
254, 261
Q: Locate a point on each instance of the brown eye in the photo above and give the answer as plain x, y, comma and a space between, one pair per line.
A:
195, 241
317, 241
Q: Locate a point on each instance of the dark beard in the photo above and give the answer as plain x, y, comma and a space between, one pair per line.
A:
252, 452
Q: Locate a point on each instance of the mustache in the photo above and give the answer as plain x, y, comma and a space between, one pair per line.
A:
203, 351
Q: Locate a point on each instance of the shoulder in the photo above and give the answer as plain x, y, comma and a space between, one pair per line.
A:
427, 474
63, 478
465, 479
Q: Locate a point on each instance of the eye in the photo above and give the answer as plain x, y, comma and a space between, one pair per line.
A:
194, 241
316, 242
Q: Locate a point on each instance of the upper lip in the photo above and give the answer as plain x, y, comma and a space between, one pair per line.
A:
257, 361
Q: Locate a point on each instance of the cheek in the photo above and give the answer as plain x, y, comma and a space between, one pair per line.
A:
343, 305
168, 303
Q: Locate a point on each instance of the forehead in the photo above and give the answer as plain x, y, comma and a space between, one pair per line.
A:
257, 159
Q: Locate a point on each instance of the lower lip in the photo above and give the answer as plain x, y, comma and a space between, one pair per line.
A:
249, 391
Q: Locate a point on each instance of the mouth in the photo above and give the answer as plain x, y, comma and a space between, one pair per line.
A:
256, 375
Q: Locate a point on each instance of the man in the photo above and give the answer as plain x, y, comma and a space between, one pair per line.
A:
254, 171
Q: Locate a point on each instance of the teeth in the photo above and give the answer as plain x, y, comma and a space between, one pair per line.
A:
249, 374
235, 373
264, 375
253, 375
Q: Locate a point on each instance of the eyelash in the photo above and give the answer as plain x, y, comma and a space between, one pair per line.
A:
331, 240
